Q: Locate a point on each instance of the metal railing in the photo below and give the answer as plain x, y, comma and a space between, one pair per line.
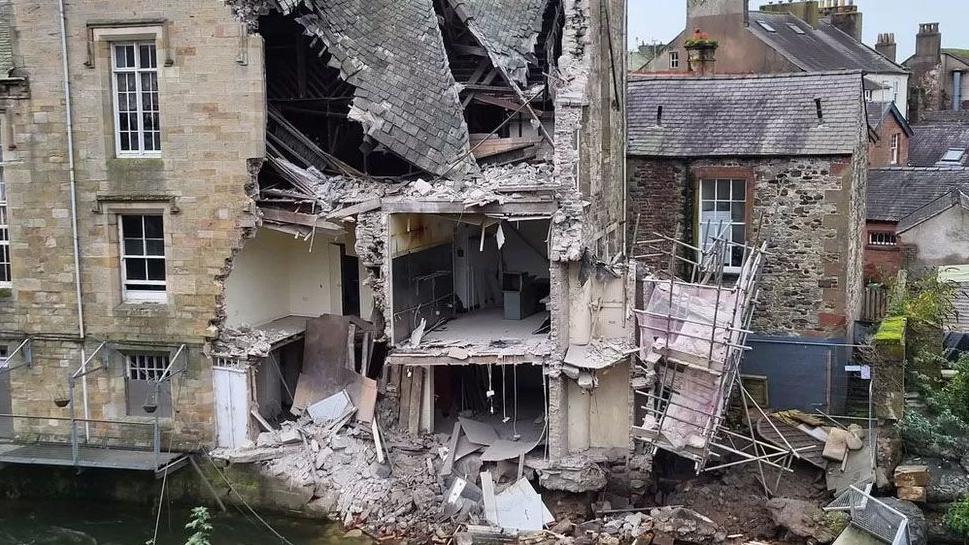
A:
873, 516
108, 434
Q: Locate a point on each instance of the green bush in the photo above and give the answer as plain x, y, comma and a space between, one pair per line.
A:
199, 523
957, 517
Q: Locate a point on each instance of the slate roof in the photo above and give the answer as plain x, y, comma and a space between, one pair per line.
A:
879, 111
932, 140
822, 49
405, 96
745, 115
507, 29
894, 193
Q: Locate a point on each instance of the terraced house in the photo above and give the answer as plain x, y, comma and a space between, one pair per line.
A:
209, 203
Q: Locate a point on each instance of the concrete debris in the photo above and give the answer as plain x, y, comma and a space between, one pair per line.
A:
242, 343
807, 520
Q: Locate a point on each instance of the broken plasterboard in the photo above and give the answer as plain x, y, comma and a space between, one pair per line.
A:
507, 450
331, 408
519, 507
479, 432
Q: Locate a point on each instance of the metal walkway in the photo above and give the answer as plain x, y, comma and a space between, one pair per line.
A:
50, 454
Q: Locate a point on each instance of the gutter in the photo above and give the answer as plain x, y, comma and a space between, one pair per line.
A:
73, 192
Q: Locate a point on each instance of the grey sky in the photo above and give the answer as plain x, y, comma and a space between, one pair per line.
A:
662, 20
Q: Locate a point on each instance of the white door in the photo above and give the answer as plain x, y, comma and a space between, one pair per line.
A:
231, 406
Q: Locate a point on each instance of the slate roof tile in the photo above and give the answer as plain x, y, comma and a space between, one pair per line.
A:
824, 48
894, 193
932, 140
745, 115
392, 52
507, 29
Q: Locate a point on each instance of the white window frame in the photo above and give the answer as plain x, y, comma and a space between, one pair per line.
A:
869, 95
701, 227
674, 59
144, 295
6, 260
883, 239
137, 70
896, 139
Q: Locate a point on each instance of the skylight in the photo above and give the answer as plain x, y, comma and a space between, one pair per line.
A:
953, 155
766, 26
795, 28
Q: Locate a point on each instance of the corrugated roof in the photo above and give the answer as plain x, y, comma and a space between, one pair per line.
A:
405, 96
745, 115
894, 193
931, 141
507, 29
823, 48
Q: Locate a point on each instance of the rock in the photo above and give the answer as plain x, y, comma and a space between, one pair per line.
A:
266, 439
948, 482
382, 471
911, 493
807, 520
322, 456
355, 533
836, 447
911, 475
290, 436
563, 527
590, 477
338, 442
686, 526
918, 527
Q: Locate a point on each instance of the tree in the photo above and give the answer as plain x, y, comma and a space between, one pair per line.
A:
199, 523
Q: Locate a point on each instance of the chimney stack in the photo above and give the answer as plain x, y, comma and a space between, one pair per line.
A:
805, 10
844, 15
928, 42
701, 51
886, 46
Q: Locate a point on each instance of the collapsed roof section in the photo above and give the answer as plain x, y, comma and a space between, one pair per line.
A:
507, 29
405, 97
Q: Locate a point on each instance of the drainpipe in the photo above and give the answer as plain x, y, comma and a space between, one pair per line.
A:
956, 91
73, 191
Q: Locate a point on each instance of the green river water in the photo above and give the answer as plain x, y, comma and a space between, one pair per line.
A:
97, 523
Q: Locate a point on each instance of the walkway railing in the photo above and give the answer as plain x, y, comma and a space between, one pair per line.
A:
873, 516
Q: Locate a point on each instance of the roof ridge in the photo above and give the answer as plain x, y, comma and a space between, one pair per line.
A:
781, 75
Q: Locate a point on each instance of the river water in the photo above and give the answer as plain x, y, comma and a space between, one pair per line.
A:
99, 523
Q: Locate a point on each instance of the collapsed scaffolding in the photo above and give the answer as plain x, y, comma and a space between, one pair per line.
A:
693, 328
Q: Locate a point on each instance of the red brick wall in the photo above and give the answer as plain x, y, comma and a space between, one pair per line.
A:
881, 262
880, 153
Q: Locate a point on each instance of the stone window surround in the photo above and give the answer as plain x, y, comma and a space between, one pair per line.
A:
697, 174
119, 372
111, 211
100, 36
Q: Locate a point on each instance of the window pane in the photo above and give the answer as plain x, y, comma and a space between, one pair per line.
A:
147, 56
153, 226
737, 211
708, 190
155, 246
736, 256
723, 206
737, 234
131, 226
723, 190
739, 190
135, 269
707, 206
134, 246
124, 56
156, 269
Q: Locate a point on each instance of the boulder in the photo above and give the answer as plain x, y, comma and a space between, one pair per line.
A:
948, 481
911, 493
805, 519
684, 525
911, 475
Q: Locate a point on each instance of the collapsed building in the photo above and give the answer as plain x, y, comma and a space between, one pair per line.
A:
442, 180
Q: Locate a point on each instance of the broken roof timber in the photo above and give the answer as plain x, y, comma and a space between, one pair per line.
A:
298, 218
518, 207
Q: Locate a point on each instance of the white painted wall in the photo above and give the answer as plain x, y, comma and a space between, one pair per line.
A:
942, 240
897, 91
276, 275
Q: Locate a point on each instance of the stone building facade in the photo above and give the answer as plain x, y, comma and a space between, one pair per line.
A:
211, 111
939, 75
803, 194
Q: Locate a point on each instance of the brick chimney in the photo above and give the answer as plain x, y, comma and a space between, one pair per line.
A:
844, 15
886, 46
701, 51
928, 42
